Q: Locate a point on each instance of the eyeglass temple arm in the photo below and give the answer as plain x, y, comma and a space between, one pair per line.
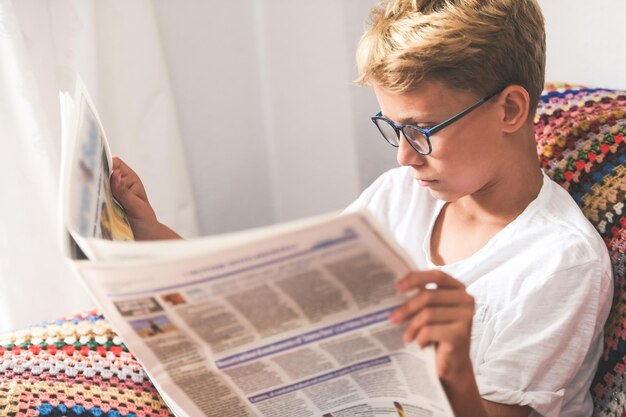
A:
456, 117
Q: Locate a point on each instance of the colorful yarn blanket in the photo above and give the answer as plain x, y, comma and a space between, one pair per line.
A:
580, 141
78, 367
75, 367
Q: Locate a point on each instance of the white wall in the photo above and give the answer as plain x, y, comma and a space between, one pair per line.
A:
586, 42
273, 127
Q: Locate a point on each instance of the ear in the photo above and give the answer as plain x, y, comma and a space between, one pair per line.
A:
515, 104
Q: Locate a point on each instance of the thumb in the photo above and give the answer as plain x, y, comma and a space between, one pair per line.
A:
133, 204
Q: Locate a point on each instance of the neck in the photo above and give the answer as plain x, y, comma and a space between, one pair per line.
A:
508, 194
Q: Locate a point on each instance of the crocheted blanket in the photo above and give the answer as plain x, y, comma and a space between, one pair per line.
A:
76, 366
580, 141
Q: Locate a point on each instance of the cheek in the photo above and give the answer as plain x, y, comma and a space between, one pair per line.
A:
462, 163
455, 154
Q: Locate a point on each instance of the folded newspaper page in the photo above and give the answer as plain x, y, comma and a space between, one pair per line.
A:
87, 205
283, 321
291, 325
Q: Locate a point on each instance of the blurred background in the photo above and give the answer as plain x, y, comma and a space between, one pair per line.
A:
235, 114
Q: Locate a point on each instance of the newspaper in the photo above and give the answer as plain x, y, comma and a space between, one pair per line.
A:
285, 321
88, 209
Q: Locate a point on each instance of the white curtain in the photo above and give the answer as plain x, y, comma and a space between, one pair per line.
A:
115, 46
273, 126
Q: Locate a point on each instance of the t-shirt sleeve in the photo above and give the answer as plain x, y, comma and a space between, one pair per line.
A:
541, 339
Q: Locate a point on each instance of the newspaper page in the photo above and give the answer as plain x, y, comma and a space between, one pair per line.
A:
292, 325
107, 250
87, 204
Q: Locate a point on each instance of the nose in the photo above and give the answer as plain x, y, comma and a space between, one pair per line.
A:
407, 155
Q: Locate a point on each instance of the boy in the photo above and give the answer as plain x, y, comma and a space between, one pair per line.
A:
523, 281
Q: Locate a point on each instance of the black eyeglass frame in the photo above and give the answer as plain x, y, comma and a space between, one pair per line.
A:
427, 132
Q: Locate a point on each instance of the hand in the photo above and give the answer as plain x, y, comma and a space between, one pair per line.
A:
442, 316
128, 190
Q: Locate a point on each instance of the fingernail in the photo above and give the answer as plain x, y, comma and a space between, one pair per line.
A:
401, 285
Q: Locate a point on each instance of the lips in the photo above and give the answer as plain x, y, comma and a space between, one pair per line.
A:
423, 179
425, 182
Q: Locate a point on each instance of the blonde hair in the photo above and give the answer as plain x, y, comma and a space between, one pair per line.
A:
475, 45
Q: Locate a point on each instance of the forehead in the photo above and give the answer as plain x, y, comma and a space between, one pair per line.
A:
428, 101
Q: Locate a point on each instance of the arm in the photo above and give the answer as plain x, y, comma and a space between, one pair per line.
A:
466, 401
443, 316
129, 191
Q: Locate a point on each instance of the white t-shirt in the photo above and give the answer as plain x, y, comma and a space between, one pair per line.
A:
543, 290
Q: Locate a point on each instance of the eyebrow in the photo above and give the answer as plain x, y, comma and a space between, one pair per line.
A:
414, 120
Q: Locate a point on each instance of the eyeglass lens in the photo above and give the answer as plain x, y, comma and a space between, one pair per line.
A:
416, 138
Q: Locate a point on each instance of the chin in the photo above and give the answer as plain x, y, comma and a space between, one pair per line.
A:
448, 197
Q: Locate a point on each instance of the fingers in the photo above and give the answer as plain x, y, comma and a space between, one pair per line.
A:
422, 279
124, 194
438, 317
130, 183
128, 190
445, 306
116, 162
439, 333
430, 298
124, 179
120, 165
430, 317
119, 188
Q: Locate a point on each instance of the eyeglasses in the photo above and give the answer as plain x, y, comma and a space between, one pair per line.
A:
419, 137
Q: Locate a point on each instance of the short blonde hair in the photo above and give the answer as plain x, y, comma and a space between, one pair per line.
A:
475, 45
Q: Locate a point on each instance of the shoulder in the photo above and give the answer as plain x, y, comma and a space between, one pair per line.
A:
564, 232
556, 250
550, 247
